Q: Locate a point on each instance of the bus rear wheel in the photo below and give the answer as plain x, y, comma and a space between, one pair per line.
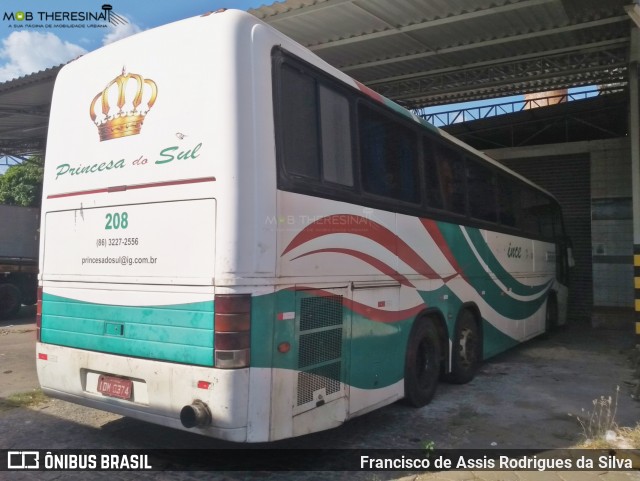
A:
465, 356
422, 364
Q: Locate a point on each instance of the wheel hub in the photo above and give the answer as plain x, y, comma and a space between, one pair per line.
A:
466, 347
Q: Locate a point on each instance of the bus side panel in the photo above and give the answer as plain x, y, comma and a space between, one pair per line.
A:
438, 265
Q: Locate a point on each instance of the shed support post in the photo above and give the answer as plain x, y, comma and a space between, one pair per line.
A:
634, 134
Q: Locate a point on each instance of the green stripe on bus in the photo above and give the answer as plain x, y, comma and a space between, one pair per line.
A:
162, 351
178, 333
197, 315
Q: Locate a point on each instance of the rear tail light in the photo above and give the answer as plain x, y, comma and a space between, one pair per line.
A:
232, 332
39, 314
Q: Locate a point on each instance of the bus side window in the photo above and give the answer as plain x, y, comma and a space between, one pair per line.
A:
545, 216
434, 193
299, 123
335, 123
388, 157
482, 192
508, 202
452, 178
558, 228
528, 219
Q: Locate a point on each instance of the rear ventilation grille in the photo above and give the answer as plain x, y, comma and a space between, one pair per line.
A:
318, 312
320, 349
322, 378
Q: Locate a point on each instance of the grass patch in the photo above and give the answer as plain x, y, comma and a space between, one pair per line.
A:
22, 400
600, 430
600, 422
632, 435
625, 438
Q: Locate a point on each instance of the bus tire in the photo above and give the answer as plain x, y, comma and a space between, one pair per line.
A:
466, 349
9, 300
422, 364
551, 317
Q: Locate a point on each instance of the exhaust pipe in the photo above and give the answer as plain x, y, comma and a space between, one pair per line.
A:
195, 415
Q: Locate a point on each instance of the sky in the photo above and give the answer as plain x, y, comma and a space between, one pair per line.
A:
31, 45
36, 43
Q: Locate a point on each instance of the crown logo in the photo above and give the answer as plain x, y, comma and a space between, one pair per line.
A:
120, 109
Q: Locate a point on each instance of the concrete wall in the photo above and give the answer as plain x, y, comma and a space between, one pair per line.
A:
612, 223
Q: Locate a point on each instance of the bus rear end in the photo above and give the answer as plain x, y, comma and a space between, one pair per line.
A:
142, 157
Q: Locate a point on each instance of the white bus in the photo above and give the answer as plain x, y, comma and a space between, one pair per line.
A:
241, 241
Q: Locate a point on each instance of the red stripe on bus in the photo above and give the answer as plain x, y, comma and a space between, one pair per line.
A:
368, 312
377, 263
357, 225
370, 92
434, 231
122, 188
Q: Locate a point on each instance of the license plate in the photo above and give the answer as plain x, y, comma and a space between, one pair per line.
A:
115, 387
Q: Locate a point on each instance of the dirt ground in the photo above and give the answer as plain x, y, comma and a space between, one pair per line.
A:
17, 353
520, 399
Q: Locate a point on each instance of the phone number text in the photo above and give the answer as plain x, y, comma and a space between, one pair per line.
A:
117, 241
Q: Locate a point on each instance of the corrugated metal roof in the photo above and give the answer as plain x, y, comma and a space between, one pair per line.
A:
425, 52
417, 52
24, 113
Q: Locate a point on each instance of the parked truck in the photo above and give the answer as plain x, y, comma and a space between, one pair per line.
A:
19, 240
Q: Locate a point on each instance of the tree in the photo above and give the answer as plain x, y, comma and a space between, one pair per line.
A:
22, 184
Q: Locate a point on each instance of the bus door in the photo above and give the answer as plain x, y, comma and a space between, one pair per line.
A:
322, 331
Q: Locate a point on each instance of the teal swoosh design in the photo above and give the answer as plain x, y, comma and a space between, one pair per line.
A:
481, 281
501, 273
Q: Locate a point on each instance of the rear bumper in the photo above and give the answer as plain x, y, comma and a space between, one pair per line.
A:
160, 389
